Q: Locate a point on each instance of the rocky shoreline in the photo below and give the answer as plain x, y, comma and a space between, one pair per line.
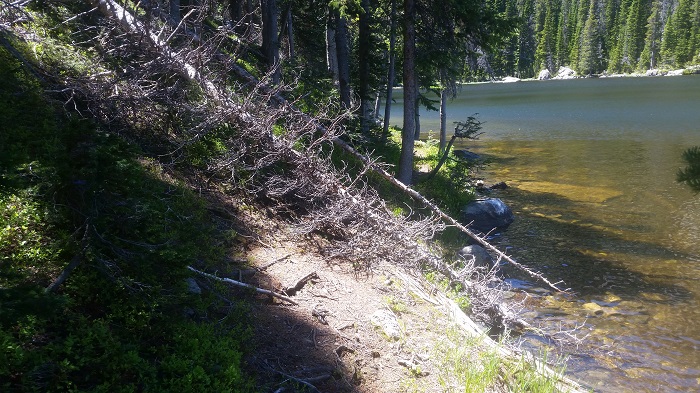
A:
567, 73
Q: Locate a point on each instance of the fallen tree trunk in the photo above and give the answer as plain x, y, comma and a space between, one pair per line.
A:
111, 9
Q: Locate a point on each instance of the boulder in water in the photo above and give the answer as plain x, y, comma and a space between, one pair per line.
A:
487, 214
480, 255
466, 155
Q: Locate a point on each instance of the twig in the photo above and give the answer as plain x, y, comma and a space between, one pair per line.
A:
291, 291
263, 268
244, 285
75, 261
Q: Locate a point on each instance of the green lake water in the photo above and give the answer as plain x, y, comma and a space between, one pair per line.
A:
591, 165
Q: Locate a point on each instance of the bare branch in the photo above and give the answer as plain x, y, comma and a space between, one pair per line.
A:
244, 285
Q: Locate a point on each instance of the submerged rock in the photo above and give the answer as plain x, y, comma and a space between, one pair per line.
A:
466, 155
480, 255
487, 214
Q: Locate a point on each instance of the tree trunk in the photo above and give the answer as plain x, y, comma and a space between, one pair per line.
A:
405, 170
290, 33
377, 105
364, 63
445, 154
175, 10
270, 45
416, 133
443, 120
286, 28
392, 72
235, 9
341, 42
331, 49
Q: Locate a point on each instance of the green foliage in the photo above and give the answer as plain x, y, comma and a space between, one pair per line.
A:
118, 322
690, 175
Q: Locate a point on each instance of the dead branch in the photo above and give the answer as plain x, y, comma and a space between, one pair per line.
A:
75, 261
244, 285
269, 264
292, 290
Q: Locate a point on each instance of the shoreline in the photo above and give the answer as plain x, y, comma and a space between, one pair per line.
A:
566, 73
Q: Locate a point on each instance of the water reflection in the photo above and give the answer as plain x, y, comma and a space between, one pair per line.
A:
603, 217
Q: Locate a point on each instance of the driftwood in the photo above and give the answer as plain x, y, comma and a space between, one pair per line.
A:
244, 285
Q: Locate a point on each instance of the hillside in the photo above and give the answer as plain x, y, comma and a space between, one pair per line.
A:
141, 169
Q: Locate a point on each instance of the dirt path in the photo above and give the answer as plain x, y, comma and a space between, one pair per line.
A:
330, 339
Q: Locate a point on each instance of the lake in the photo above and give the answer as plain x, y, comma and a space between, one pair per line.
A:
591, 165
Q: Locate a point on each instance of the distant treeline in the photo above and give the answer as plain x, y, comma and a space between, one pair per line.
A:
596, 36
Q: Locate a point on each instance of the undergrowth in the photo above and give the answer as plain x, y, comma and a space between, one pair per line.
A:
123, 320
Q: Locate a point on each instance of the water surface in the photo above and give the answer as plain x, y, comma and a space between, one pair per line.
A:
592, 164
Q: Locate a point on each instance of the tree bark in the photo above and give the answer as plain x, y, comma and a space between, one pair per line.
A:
341, 42
391, 73
443, 120
405, 169
364, 64
290, 33
175, 10
416, 133
331, 50
270, 44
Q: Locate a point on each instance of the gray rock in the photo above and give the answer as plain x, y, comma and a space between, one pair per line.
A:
487, 214
192, 286
544, 75
480, 255
386, 320
565, 73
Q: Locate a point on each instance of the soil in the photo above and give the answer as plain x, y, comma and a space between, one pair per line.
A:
329, 339
328, 342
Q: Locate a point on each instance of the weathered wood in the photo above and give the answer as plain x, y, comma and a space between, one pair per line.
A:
244, 285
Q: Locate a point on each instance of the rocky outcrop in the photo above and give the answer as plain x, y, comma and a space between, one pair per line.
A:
544, 75
487, 214
565, 73
510, 79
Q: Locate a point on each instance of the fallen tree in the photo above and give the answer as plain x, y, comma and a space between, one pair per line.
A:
113, 10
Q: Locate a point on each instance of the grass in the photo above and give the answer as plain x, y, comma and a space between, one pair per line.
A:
466, 364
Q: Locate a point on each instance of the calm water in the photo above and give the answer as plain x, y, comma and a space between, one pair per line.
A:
591, 164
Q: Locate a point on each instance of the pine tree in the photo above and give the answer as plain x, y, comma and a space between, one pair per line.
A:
589, 59
652, 41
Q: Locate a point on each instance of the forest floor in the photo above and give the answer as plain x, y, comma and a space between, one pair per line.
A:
329, 342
